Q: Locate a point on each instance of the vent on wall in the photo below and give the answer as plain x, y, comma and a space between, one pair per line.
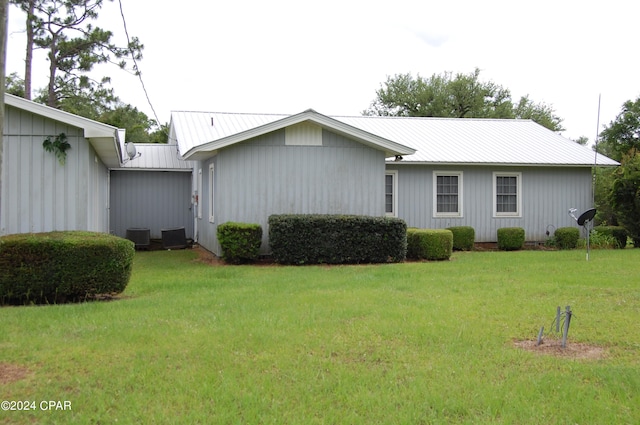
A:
140, 237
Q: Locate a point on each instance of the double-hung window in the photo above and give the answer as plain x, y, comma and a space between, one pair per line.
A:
507, 194
447, 194
212, 192
390, 193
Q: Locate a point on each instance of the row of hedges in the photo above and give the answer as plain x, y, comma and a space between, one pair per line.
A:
336, 239
59, 267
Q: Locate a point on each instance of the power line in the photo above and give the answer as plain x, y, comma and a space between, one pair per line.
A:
137, 68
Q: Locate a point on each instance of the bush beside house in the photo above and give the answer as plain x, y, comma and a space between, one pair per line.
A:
336, 239
429, 244
566, 237
510, 238
240, 242
58, 267
463, 237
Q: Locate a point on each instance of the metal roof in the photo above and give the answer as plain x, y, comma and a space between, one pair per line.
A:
199, 134
480, 141
158, 157
435, 140
108, 141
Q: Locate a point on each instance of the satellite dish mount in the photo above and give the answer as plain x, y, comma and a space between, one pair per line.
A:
586, 221
132, 152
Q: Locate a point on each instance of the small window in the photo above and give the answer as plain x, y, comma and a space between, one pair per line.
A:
390, 193
199, 194
507, 199
211, 193
447, 194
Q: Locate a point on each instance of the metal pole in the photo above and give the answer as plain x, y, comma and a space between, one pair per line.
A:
558, 320
565, 332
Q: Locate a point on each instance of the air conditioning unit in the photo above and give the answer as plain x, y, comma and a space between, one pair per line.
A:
139, 236
174, 238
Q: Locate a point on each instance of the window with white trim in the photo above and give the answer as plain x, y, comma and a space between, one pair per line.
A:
211, 193
390, 193
507, 194
447, 193
199, 193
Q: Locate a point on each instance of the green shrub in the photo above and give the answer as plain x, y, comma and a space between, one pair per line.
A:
598, 240
619, 233
566, 237
463, 237
337, 239
510, 238
429, 244
240, 242
60, 267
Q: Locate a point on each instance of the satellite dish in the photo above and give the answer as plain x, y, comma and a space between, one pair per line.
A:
131, 150
584, 220
586, 216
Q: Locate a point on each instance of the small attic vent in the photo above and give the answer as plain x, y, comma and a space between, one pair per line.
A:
212, 122
303, 134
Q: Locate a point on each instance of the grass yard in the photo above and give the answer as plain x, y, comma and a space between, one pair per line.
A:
413, 343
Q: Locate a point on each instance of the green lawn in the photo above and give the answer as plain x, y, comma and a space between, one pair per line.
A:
412, 343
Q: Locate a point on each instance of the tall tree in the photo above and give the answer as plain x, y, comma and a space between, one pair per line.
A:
456, 96
622, 134
74, 46
28, 7
625, 194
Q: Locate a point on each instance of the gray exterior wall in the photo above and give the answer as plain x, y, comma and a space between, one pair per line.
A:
39, 194
263, 176
150, 199
547, 195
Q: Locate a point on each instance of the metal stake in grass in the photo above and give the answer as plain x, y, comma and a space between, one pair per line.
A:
565, 331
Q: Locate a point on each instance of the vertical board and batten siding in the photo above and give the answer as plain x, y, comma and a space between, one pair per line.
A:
265, 176
547, 195
41, 195
150, 199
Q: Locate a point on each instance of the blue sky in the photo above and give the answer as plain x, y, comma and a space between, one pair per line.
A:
288, 56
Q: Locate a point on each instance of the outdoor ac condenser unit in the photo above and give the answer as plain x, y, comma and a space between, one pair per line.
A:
140, 237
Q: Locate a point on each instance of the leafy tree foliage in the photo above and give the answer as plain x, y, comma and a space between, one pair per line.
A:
456, 96
625, 194
74, 46
137, 124
14, 85
623, 134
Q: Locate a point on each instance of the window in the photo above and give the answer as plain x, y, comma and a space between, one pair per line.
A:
390, 191
211, 193
199, 194
507, 198
447, 194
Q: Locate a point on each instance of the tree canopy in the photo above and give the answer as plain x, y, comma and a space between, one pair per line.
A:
74, 46
622, 134
456, 96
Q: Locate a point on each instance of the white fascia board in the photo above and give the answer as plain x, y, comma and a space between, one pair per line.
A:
390, 148
495, 164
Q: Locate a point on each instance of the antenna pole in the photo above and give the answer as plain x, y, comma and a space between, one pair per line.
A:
595, 155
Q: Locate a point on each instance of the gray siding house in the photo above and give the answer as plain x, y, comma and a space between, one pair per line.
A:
39, 194
431, 172
219, 167
98, 188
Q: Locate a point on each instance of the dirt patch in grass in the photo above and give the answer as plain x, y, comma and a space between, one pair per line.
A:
11, 373
573, 350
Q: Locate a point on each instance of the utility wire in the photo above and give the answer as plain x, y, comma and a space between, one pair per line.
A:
137, 68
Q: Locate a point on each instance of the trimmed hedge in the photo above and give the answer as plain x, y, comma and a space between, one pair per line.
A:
336, 239
429, 244
240, 242
60, 267
619, 233
463, 237
566, 237
510, 238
